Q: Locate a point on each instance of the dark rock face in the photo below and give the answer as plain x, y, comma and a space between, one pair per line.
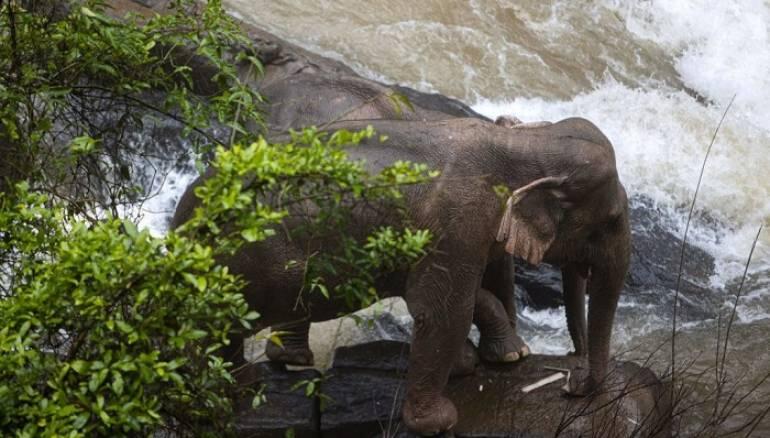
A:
655, 258
286, 408
539, 287
379, 356
492, 404
364, 390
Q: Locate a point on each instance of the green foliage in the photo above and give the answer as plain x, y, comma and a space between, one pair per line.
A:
384, 251
398, 100
502, 191
262, 184
313, 390
107, 329
77, 76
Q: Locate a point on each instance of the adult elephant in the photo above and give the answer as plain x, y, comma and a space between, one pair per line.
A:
567, 208
314, 98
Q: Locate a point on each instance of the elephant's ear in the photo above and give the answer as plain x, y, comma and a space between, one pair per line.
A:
531, 219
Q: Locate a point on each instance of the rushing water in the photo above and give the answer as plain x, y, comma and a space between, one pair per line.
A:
655, 76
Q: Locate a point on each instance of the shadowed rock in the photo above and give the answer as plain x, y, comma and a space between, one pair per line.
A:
364, 389
286, 407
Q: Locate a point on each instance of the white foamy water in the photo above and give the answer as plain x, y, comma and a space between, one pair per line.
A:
722, 47
157, 211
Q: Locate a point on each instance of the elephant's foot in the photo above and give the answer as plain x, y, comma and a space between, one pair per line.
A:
507, 349
580, 383
429, 416
466, 362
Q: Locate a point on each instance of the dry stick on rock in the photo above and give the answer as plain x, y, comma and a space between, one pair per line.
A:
684, 243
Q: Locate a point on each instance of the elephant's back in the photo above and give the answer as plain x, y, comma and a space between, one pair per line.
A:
437, 143
581, 129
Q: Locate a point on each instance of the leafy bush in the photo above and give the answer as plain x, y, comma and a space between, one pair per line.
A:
79, 85
109, 329
106, 329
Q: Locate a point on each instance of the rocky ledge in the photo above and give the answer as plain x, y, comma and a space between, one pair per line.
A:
361, 394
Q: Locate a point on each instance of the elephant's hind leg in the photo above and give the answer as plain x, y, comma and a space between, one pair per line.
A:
294, 348
499, 341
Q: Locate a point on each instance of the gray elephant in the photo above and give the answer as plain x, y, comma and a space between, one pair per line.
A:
567, 208
297, 100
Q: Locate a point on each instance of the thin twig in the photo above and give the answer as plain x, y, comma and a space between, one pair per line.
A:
738, 297
684, 244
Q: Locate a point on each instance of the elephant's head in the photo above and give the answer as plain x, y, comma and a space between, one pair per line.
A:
578, 215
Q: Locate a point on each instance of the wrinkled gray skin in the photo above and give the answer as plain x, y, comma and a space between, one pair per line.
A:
576, 218
307, 99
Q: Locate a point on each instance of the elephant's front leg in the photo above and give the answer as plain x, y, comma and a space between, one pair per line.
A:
500, 278
440, 296
574, 286
604, 291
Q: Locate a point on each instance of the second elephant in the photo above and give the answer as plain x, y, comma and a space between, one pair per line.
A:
567, 208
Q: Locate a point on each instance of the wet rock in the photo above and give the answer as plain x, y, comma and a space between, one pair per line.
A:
492, 404
363, 403
539, 287
286, 407
378, 356
655, 259
366, 387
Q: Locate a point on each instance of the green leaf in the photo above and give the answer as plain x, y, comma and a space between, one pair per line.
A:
251, 235
88, 13
80, 366
130, 229
117, 383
